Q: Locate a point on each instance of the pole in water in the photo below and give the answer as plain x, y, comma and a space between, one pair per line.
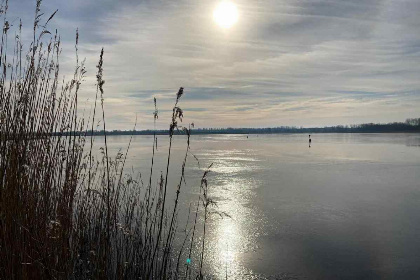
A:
310, 140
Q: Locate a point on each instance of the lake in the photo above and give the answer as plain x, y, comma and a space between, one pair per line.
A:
348, 207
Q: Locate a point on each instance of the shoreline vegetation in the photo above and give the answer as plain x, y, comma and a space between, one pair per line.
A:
409, 126
66, 213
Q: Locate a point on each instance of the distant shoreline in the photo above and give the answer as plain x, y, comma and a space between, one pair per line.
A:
242, 133
409, 126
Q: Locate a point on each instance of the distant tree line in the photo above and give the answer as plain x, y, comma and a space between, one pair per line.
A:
410, 125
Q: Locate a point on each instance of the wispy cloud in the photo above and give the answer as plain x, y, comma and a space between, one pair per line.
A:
284, 63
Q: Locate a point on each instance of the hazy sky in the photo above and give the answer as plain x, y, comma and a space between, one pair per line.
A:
285, 62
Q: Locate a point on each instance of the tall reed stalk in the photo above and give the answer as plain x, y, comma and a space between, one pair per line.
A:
66, 213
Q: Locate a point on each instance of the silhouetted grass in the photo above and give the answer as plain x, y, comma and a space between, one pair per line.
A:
64, 213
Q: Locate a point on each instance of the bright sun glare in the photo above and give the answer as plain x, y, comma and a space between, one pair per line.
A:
225, 14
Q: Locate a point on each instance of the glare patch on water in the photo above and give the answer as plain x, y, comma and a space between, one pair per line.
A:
232, 162
234, 236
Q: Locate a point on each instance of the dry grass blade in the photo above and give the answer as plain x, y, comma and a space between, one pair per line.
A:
64, 212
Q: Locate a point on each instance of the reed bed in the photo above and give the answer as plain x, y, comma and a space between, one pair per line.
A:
66, 213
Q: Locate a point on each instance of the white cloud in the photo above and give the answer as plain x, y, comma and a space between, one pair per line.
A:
283, 63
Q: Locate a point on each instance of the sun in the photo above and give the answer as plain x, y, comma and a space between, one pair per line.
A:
225, 14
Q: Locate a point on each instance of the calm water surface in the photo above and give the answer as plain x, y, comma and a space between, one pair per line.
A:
346, 208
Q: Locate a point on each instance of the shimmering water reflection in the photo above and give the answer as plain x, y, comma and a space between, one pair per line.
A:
236, 234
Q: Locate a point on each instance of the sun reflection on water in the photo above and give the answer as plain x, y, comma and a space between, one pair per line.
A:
235, 236
227, 234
